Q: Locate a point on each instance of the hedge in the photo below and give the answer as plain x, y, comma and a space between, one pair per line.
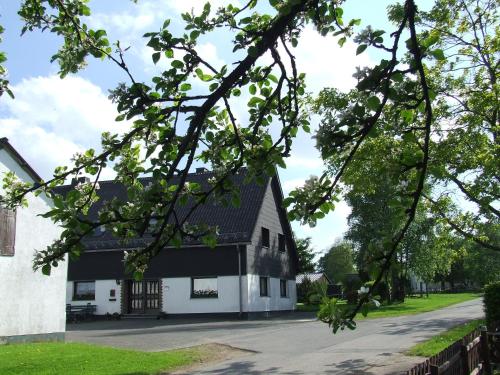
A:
492, 305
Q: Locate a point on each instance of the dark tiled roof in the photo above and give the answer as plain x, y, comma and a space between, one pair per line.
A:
235, 224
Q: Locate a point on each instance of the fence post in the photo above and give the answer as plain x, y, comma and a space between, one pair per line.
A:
434, 370
485, 352
464, 356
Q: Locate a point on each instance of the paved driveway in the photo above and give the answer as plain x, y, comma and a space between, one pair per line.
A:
287, 346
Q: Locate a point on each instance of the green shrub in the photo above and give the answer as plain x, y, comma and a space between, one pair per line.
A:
314, 299
492, 305
304, 289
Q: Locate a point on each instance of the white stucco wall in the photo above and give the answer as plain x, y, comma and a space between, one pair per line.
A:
103, 301
177, 296
274, 301
30, 303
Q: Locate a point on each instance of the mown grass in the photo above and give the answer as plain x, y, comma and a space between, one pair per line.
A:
443, 340
76, 358
418, 305
411, 305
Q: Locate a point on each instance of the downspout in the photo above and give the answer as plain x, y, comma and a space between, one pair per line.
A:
240, 281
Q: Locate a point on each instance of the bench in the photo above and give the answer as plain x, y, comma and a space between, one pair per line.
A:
74, 313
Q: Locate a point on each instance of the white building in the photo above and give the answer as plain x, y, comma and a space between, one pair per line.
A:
251, 272
32, 305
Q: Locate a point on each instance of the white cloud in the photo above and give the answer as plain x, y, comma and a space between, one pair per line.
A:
144, 15
51, 119
327, 229
298, 161
197, 5
326, 63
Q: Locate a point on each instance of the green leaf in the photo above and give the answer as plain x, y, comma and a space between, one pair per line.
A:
199, 73
342, 41
235, 200
252, 51
252, 89
373, 103
177, 64
46, 269
156, 57
397, 77
361, 49
185, 87
438, 54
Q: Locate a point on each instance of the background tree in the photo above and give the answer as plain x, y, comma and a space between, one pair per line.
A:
305, 254
338, 261
410, 136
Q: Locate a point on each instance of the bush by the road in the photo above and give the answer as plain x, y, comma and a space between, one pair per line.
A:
492, 305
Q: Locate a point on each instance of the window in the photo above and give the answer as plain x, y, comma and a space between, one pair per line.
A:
84, 290
204, 287
264, 290
7, 231
283, 288
281, 242
265, 237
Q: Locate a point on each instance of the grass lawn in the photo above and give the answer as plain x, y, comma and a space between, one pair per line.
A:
442, 341
412, 305
76, 358
417, 305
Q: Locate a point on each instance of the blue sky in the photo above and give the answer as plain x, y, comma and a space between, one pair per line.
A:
51, 119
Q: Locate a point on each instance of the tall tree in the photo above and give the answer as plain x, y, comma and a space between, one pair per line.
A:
400, 102
338, 261
305, 253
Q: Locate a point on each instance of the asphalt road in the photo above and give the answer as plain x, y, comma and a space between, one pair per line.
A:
287, 346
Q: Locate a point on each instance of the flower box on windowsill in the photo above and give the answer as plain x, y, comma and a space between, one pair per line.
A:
204, 294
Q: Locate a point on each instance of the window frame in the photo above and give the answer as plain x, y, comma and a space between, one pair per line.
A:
266, 294
8, 248
76, 297
285, 282
265, 234
198, 296
281, 242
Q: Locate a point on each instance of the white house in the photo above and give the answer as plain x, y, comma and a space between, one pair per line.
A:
251, 271
32, 305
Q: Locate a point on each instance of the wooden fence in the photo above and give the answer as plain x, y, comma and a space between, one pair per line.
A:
468, 356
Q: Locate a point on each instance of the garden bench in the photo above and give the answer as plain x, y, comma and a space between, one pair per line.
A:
80, 312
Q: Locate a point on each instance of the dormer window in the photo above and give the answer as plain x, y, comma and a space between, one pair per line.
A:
265, 237
7, 232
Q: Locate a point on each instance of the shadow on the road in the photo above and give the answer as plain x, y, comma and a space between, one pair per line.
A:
398, 328
128, 324
349, 367
247, 367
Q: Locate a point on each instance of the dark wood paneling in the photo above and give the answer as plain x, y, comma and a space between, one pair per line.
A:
184, 262
270, 261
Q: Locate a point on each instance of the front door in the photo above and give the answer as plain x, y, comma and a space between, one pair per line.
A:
144, 297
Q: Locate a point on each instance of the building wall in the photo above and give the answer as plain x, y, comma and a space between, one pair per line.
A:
104, 302
274, 301
177, 296
32, 304
269, 261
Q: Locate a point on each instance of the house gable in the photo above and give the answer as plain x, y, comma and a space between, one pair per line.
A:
270, 260
32, 303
